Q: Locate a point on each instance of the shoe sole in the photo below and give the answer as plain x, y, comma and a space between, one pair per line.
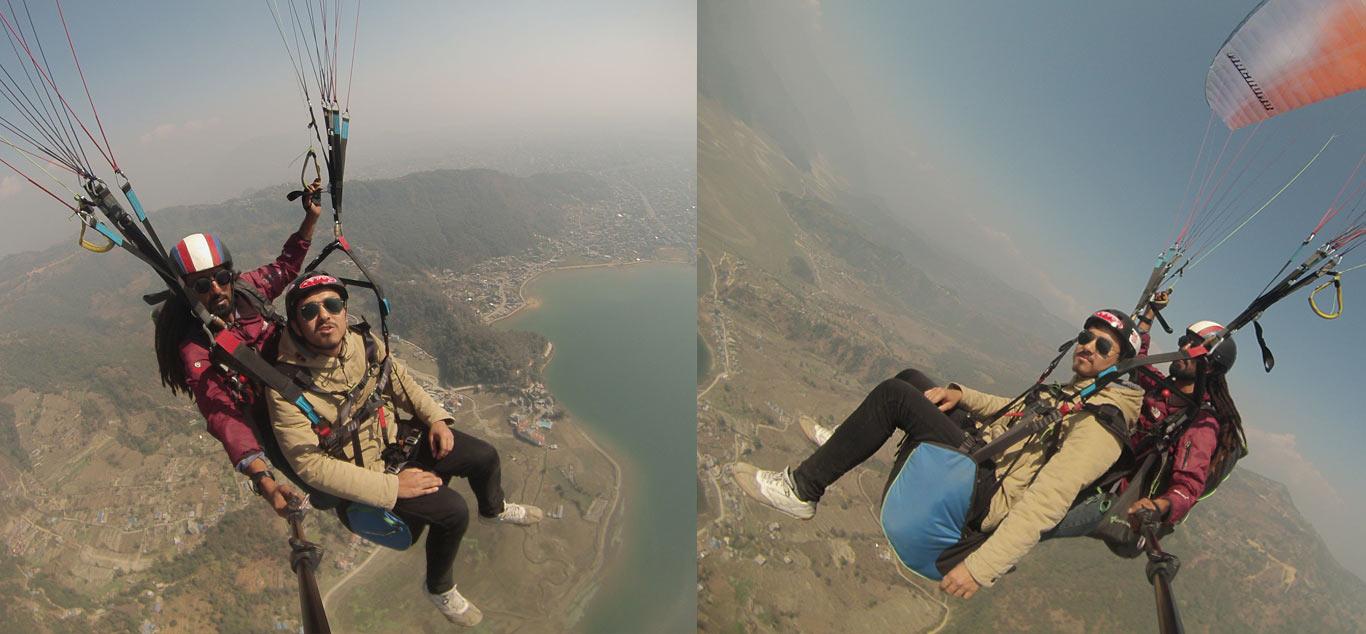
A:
746, 475
809, 429
533, 517
471, 617
474, 619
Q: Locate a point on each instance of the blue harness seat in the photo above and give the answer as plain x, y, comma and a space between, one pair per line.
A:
378, 525
927, 509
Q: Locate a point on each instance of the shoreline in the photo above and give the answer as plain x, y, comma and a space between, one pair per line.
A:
614, 537
615, 518
528, 303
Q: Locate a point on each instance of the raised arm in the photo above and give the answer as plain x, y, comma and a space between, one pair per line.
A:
271, 279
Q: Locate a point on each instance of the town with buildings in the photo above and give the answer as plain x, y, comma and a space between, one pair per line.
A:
534, 415
638, 223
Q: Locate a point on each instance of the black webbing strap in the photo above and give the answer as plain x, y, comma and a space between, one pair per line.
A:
1268, 359
257, 301
1053, 365
1292, 282
1040, 415
234, 353
349, 417
1036, 418
1167, 383
1162, 321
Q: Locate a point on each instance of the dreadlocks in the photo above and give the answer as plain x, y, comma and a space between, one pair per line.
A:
173, 324
1232, 442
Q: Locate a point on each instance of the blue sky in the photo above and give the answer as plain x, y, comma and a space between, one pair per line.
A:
200, 104
1056, 142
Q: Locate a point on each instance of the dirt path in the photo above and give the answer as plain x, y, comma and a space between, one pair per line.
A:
725, 334
341, 582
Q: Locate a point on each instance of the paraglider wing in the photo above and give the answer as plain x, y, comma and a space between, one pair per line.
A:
1287, 54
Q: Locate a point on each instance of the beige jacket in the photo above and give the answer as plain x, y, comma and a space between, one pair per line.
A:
343, 478
1036, 493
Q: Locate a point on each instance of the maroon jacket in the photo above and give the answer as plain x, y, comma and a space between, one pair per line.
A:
228, 419
1195, 447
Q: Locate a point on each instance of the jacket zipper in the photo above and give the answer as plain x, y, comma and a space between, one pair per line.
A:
1186, 454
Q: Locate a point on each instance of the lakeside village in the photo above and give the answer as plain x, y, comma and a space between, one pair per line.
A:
632, 225
532, 407
534, 414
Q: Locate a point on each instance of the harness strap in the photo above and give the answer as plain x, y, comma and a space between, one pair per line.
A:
1162, 321
257, 301
1040, 416
349, 417
234, 353
1268, 359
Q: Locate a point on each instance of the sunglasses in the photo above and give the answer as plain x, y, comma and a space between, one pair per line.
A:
334, 306
205, 284
1103, 345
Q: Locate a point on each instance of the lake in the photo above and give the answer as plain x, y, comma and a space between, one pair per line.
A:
625, 365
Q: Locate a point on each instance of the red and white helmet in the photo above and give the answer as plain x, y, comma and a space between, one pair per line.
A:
1224, 353
199, 252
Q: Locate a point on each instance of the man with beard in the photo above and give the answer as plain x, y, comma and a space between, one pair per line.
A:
241, 300
1201, 447
1195, 456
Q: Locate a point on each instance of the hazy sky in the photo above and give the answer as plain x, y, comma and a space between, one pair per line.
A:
1054, 142
200, 104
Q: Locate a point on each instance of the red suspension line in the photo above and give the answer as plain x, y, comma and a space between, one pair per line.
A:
1333, 208
112, 163
44, 189
1190, 178
1229, 168
42, 72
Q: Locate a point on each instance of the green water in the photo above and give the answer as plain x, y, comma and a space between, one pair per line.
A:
625, 365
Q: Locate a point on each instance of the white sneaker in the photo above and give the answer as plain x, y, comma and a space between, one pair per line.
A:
457, 609
815, 432
519, 514
774, 488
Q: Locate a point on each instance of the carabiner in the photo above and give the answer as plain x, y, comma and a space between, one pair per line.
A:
91, 246
303, 169
1336, 282
303, 177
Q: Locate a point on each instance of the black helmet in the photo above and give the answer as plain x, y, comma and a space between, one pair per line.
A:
1224, 353
1118, 322
307, 284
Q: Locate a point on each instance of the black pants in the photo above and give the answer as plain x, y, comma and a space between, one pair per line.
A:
445, 510
897, 403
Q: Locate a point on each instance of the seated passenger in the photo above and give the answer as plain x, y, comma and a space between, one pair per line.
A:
1033, 481
322, 351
